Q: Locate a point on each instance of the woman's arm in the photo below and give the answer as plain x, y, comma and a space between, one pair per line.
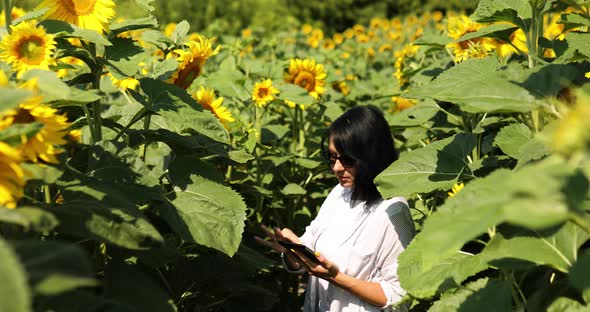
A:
367, 291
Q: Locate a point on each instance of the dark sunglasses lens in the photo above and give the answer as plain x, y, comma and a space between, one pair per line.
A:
347, 161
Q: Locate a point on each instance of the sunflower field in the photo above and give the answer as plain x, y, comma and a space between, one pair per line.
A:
138, 160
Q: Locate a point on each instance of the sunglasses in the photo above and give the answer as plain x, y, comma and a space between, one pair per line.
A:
345, 161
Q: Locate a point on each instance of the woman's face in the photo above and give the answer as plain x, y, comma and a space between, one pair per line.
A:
344, 172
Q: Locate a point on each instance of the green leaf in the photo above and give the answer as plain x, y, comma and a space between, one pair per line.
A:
445, 275
164, 69
574, 20
37, 219
12, 97
498, 31
180, 113
567, 304
548, 80
61, 28
42, 172
133, 24
13, 134
156, 38
180, 32
293, 189
414, 116
30, 15
240, 156
183, 168
208, 213
106, 222
553, 247
433, 39
579, 273
123, 56
435, 166
579, 41
530, 197
229, 82
15, 295
477, 86
296, 94
52, 86
517, 12
512, 138
55, 267
482, 295
145, 5
122, 282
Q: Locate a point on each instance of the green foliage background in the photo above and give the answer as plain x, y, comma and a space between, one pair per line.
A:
227, 17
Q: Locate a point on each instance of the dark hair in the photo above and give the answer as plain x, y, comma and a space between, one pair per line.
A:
363, 134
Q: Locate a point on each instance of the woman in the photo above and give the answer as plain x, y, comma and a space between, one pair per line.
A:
357, 235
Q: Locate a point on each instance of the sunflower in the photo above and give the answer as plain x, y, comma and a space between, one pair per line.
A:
27, 47
459, 26
456, 189
12, 175
206, 97
192, 60
402, 103
125, 83
517, 44
87, 14
308, 75
43, 145
15, 13
264, 92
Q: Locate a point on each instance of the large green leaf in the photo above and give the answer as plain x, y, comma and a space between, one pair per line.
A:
134, 287
555, 247
133, 24
531, 197
65, 29
482, 295
579, 42
58, 92
180, 113
567, 304
580, 273
517, 12
106, 221
435, 166
512, 138
15, 295
107, 211
416, 115
497, 31
55, 267
477, 86
11, 97
30, 218
296, 94
123, 56
445, 275
208, 213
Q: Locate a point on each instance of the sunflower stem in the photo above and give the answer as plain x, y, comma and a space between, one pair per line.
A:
146, 126
90, 123
8, 15
47, 193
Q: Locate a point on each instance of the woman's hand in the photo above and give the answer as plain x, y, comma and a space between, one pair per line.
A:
325, 269
275, 235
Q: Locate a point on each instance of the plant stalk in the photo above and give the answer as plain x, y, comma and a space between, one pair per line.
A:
8, 15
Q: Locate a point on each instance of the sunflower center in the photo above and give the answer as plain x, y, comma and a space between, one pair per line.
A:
305, 80
79, 7
23, 116
31, 49
262, 93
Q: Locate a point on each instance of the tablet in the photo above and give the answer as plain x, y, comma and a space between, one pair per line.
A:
302, 249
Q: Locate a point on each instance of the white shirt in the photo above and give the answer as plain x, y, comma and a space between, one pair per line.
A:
364, 242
